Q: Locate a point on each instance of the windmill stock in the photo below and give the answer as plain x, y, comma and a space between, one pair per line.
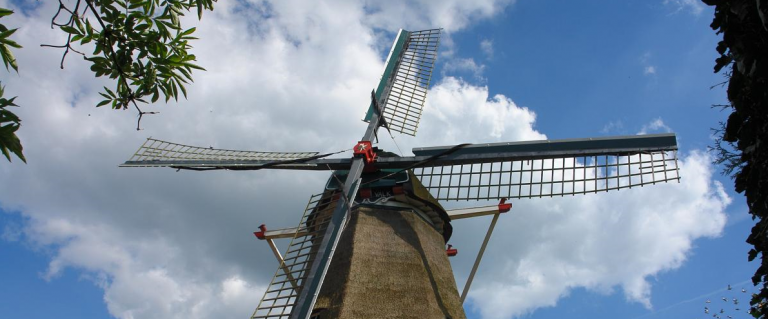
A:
372, 244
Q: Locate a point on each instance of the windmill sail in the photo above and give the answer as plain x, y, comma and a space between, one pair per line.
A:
549, 168
283, 292
157, 153
403, 87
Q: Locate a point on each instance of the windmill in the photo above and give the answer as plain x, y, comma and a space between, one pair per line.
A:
372, 244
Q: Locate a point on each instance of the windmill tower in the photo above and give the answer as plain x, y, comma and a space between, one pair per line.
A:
372, 244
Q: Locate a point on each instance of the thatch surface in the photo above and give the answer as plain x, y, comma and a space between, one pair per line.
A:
389, 264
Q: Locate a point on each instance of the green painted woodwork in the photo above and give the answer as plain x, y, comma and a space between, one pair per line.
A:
389, 70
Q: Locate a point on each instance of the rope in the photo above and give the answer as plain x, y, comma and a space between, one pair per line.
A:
393, 141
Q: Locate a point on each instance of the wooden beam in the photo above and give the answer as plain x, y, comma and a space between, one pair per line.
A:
460, 213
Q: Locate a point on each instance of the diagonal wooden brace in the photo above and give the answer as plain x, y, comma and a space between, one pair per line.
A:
502, 208
261, 235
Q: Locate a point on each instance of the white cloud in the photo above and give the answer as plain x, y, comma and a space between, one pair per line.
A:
142, 276
464, 65
461, 112
487, 47
166, 244
613, 126
452, 15
648, 68
694, 7
657, 125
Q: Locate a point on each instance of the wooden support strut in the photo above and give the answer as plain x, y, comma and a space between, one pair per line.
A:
454, 214
503, 208
260, 235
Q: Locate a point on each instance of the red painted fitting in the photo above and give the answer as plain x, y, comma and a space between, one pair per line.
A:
364, 149
365, 193
260, 234
451, 251
397, 190
503, 206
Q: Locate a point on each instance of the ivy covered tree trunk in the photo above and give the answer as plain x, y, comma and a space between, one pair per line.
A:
744, 59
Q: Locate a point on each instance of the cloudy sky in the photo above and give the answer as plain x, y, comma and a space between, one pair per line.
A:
82, 238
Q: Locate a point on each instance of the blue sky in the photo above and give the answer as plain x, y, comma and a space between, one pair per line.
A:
608, 68
84, 239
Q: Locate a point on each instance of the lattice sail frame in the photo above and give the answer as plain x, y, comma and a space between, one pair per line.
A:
404, 99
283, 291
548, 177
161, 153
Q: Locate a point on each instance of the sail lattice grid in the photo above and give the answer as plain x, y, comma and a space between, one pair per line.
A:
282, 293
161, 153
548, 177
405, 99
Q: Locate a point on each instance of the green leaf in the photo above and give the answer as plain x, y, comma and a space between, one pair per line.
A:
79, 25
175, 90
102, 103
175, 19
188, 31
183, 89
7, 33
155, 95
5, 12
69, 29
111, 94
9, 142
186, 74
4, 149
8, 58
5, 102
141, 27
88, 27
194, 66
10, 43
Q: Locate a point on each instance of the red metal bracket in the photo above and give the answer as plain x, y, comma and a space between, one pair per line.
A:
451, 251
364, 149
260, 234
503, 206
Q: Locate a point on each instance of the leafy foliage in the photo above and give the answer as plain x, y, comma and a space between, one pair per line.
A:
139, 43
744, 57
5, 52
9, 122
